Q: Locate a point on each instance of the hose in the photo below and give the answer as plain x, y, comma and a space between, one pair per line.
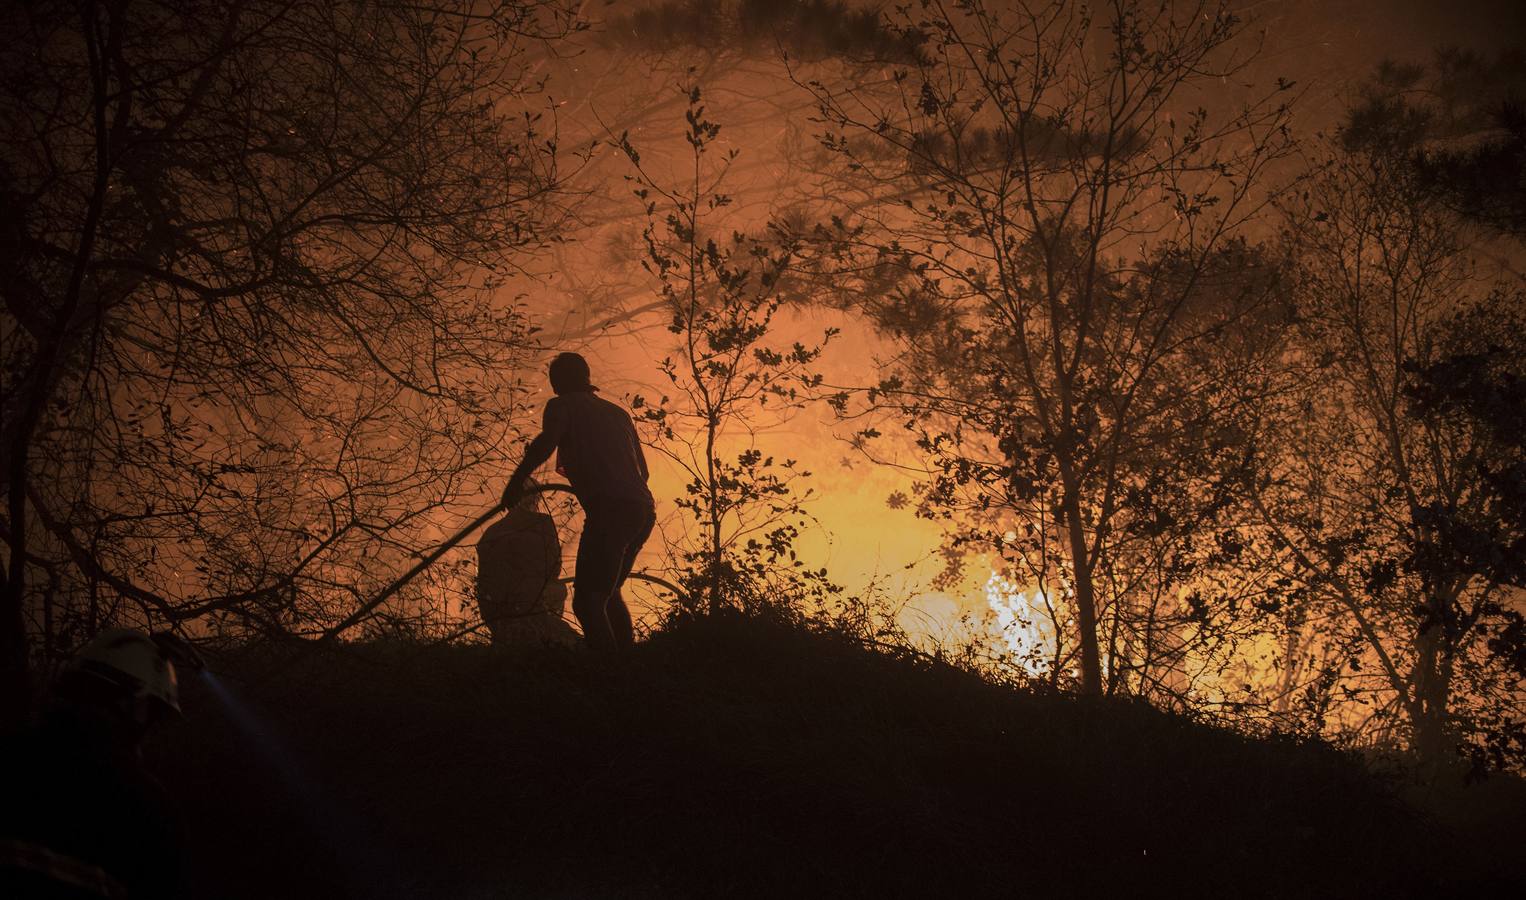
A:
365, 609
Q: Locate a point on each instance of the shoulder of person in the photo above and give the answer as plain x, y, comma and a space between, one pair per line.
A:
558, 408
612, 404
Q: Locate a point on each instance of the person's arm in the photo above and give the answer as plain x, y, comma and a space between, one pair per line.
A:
553, 424
640, 457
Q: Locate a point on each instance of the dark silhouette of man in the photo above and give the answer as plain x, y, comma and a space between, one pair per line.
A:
600, 455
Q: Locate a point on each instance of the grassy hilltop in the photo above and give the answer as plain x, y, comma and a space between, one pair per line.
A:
731, 758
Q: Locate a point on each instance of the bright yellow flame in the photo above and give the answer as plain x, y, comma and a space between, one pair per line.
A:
1025, 627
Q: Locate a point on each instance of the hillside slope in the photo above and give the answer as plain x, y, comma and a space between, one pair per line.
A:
738, 759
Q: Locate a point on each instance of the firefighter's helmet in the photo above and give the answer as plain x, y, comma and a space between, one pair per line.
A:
134, 662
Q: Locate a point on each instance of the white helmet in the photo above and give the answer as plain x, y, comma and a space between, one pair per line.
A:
134, 662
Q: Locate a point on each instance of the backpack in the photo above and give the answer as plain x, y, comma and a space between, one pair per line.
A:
519, 559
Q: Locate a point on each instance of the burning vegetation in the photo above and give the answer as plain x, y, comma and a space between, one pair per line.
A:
1179, 395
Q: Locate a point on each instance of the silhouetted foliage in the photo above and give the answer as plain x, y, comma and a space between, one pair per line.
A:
1478, 381
1381, 491
1486, 182
245, 345
743, 508
1477, 385
804, 29
1460, 123
1055, 250
257, 339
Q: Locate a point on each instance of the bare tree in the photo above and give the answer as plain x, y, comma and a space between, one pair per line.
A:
250, 329
731, 381
1376, 485
1048, 223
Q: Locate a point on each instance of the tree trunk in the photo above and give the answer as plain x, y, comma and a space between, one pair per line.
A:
14, 669
14, 681
1086, 609
1429, 713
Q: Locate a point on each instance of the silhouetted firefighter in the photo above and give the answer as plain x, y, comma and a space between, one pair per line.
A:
519, 564
600, 455
81, 817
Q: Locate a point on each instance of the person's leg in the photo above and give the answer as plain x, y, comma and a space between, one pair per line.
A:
641, 521
621, 628
598, 567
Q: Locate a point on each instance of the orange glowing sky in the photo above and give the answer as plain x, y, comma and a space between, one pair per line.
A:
1325, 45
